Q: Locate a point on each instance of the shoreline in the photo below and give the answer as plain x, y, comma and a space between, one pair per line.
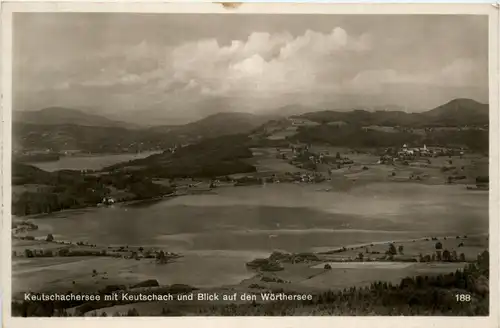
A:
70, 210
256, 275
321, 185
428, 238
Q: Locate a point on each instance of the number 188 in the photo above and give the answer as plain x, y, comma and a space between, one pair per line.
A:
463, 297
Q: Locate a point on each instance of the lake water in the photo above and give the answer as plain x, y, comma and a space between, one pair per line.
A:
225, 230
96, 162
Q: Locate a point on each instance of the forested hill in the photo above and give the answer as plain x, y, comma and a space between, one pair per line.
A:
61, 115
458, 112
210, 157
116, 139
358, 137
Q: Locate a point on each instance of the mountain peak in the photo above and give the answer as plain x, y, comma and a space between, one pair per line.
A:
464, 103
461, 107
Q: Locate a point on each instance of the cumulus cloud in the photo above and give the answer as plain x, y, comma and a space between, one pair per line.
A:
261, 70
461, 72
264, 64
267, 65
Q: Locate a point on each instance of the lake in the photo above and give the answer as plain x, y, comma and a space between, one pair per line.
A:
91, 162
221, 232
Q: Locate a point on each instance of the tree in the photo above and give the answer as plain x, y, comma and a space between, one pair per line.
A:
360, 256
439, 245
161, 258
28, 253
439, 255
337, 155
400, 249
132, 313
49, 237
462, 257
482, 179
483, 260
392, 249
446, 255
63, 252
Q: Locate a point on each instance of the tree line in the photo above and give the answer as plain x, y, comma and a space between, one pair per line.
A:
75, 189
357, 136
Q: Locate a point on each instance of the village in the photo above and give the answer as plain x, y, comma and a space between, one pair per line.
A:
315, 164
312, 164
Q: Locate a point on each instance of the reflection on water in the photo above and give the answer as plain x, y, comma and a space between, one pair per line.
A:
240, 223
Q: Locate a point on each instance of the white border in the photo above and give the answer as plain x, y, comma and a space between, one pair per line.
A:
247, 8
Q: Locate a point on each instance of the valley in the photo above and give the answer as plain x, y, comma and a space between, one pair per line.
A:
233, 203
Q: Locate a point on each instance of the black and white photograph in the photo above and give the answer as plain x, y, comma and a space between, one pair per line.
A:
250, 164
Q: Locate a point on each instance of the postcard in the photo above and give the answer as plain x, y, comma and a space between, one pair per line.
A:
270, 164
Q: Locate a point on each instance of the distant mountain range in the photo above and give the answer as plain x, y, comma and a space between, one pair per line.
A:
458, 112
68, 129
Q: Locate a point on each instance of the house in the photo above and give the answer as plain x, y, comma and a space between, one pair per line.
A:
386, 159
405, 151
108, 200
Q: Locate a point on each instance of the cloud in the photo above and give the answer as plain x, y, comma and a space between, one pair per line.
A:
264, 64
259, 71
462, 72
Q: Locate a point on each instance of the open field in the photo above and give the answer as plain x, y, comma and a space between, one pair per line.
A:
435, 170
60, 274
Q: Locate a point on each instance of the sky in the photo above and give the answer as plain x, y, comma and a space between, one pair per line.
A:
186, 66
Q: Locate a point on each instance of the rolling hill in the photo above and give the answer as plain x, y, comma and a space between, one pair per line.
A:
213, 126
458, 112
95, 139
221, 124
61, 115
65, 129
102, 139
210, 157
